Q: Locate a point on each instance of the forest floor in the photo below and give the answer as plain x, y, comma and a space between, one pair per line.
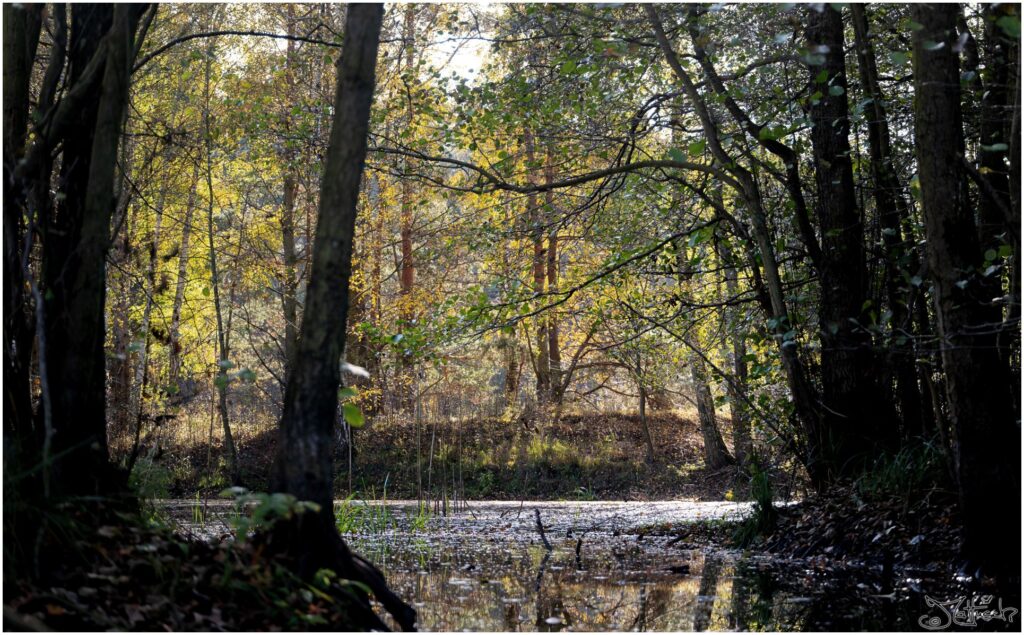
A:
580, 457
100, 569
873, 561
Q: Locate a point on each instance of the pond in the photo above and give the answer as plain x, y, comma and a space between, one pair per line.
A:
604, 568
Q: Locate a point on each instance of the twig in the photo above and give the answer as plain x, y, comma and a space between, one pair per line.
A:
540, 528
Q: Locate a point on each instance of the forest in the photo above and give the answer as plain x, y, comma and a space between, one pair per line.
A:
511, 317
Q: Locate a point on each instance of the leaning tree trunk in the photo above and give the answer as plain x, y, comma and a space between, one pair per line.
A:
716, 455
305, 466
986, 432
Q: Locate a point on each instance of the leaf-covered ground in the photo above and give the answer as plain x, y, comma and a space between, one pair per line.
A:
127, 575
872, 560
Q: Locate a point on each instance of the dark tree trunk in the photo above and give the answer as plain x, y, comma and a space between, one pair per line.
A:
407, 269
78, 241
21, 37
856, 424
901, 260
305, 466
986, 432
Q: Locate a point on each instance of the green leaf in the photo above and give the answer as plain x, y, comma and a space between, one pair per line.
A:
353, 415
676, 155
348, 392
821, 78
697, 147
1010, 24
835, 91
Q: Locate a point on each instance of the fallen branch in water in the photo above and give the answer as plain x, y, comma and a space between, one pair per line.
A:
540, 528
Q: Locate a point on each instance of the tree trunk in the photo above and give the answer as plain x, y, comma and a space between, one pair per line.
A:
716, 455
986, 433
174, 359
554, 350
407, 269
223, 352
76, 263
304, 466
21, 28
742, 444
643, 419
536, 218
901, 260
803, 392
289, 283
856, 425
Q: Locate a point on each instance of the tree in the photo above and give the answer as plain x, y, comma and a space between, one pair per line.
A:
986, 431
305, 465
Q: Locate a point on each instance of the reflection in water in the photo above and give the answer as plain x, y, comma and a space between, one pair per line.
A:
486, 569
489, 572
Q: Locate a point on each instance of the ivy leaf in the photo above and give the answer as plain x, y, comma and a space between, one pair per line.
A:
353, 415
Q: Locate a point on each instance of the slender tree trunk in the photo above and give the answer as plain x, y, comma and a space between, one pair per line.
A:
305, 466
741, 436
536, 219
407, 268
803, 392
986, 432
175, 348
289, 284
643, 420
554, 350
223, 352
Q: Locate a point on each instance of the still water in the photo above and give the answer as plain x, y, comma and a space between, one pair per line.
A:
487, 569
606, 567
